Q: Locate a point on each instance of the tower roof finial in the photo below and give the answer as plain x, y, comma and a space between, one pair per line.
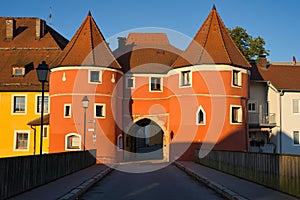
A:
214, 7
89, 13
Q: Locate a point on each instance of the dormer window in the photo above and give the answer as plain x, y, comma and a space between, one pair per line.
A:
18, 71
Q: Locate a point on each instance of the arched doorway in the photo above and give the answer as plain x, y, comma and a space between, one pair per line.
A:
144, 141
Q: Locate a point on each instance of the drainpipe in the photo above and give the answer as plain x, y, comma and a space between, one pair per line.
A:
280, 121
34, 138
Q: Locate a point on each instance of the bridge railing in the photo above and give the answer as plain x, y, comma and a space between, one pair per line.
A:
19, 174
277, 171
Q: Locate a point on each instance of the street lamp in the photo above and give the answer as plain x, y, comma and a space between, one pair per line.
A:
85, 105
42, 74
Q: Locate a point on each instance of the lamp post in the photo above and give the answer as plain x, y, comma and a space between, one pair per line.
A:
85, 105
42, 74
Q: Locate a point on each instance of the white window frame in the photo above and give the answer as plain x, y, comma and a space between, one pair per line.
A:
240, 114
181, 79
239, 78
15, 140
294, 138
100, 77
67, 116
133, 82
66, 142
118, 143
103, 110
197, 116
13, 104
161, 83
294, 100
255, 104
37, 104
15, 69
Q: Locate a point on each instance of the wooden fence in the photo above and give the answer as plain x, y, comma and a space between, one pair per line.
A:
280, 172
19, 174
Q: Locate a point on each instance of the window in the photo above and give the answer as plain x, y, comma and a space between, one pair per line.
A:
296, 106
39, 104
155, 84
99, 110
252, 106
130, 82
45, 131
18, 71
120, 142
67, 110
236, 114
21, 140
19, 104
236, 78
73, 141
95, 77
296, 138
186, 78
201, 116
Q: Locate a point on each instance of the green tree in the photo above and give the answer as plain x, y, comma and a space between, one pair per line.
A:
250, 47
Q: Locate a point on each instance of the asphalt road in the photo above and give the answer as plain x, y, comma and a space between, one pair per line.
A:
168, 183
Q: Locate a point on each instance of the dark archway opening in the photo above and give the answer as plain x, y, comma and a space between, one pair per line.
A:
144, 141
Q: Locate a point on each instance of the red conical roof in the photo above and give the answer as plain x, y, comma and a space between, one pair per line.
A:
212, 45
87, 47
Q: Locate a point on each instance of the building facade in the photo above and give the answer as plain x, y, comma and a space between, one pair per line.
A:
148, 99
24, 44
273, 107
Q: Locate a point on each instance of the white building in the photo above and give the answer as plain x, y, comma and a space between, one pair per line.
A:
274, 107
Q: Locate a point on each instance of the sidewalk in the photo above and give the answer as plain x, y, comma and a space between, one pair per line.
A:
230, 186
68, 187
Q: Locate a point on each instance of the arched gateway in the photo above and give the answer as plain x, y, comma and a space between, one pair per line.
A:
144, 141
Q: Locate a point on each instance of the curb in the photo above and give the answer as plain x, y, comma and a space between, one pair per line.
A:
83, 187
225, 192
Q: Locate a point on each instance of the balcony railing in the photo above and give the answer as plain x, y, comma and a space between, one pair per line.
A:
262, 119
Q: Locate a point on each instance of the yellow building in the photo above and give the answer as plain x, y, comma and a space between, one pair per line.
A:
25, 43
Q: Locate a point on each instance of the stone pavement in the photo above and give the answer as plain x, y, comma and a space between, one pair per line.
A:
230, 186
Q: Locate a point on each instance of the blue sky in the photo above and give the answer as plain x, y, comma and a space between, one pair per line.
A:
276, 21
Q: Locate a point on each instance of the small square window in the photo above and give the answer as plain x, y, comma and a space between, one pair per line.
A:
236, 114
67, 111
22, 141
186, 78
19, 104
18, 71
156, 84
73, 142
99, 110
95, 76
130, 82
236, 78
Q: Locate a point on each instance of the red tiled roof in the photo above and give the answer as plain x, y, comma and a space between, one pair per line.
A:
147, 53
212, 45
283, 77
87, 47
25, 50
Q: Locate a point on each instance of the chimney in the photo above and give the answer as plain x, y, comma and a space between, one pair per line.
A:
121, 42
294, 60
10, 29
40, 27
262, 61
